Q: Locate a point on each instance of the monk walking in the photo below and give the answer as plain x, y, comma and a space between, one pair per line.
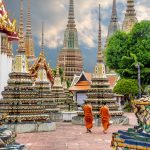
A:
88, 116
105, 116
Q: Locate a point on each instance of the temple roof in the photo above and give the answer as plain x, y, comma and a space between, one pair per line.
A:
41, 60
7, 25
82, 82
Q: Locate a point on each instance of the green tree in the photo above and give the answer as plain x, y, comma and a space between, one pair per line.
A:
126, 87
124, 50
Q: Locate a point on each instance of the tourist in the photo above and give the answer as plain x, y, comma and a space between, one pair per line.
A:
88, 116
105, 116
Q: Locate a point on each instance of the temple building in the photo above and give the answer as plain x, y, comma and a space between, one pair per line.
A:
114, 25
130, 16
21, 100
7, 35
29, 44
80, 85
70, 58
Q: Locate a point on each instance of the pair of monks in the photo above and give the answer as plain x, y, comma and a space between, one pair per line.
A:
103, 112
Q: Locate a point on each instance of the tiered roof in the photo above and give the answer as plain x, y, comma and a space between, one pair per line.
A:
82, 82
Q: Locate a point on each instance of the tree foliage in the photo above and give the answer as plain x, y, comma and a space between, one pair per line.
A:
125, 50
127, 87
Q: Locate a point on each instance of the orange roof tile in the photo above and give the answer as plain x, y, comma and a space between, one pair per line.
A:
79, 88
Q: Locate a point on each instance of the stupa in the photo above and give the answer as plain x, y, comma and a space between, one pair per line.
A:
7, 35
138, 137
100, 90
26, 112
43, 85
58, 92
130, 16
70, 58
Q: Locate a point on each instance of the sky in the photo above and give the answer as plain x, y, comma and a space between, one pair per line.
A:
54, 14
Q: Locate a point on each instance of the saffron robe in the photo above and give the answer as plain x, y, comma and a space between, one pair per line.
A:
88, 117
105, 116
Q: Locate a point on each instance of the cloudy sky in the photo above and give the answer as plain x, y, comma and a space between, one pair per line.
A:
54, 13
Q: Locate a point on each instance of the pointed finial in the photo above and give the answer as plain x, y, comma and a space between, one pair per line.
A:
99, 57
21, 46
114, 12
28, 26
42, 43
71, 21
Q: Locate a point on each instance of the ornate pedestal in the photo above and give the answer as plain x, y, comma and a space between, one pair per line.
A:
137, 138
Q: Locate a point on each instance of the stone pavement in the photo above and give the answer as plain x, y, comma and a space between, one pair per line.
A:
72, 137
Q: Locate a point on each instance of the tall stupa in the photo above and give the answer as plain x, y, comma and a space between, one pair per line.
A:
130, 16
70, 58
100, 88
43, 84
7, 35
114, 25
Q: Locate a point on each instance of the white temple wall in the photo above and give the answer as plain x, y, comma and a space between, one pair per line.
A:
5, 68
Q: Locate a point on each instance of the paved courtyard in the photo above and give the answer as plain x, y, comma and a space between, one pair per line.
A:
72, 137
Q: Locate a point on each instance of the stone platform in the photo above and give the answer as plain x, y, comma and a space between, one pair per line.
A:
31, 127
119, 120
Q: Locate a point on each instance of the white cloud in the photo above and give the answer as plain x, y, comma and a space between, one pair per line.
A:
55, 14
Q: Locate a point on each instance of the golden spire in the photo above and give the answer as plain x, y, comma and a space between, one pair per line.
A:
28, 26
21, 46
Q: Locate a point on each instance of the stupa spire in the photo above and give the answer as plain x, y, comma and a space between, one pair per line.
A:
114, 17
28, 26
21, 46
99, 55
71, 20
42, 43
29, 44
130, 8
130, 16
114, 25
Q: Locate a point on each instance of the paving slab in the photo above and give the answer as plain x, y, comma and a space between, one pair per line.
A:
72, 137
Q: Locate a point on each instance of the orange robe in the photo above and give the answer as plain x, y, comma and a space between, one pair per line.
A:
105, 116
88, 117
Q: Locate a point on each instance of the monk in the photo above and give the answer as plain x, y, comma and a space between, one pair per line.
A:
88, 116
105, 116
